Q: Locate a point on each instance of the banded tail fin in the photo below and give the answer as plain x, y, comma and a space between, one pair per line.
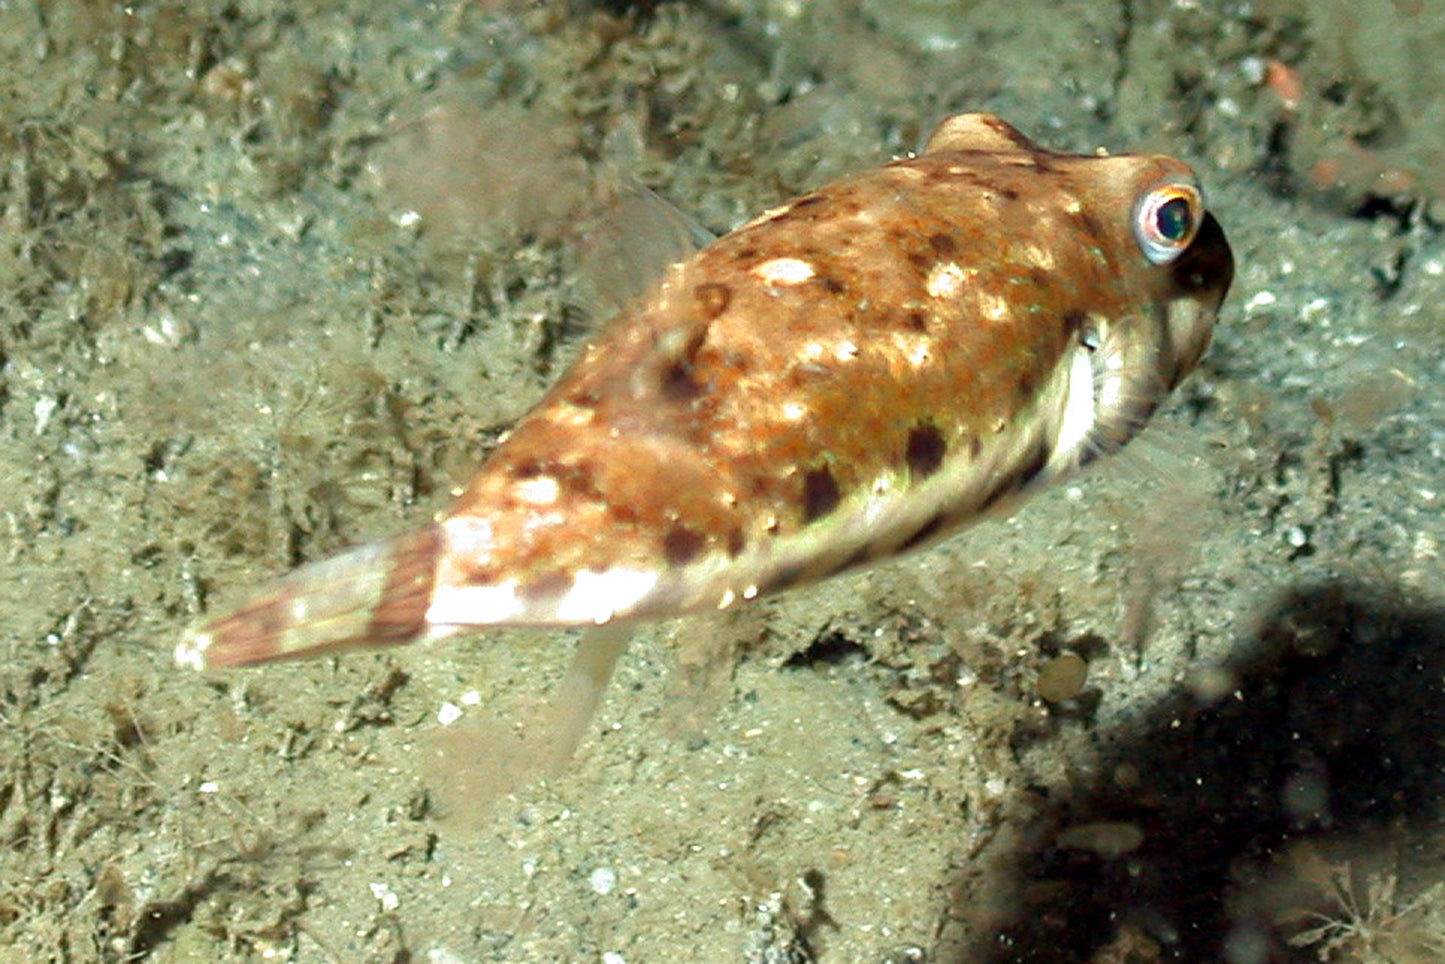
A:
374, 595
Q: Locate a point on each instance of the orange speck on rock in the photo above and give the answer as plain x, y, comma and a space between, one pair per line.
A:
1325, 173
1284, 81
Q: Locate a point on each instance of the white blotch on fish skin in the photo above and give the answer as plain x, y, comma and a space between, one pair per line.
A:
1039, 256
598, 596
573, 415
542, 490
453, 600
993, 306
792, 411
914, 349
466, 605
782, 272
845, 351
468, 537
945, 279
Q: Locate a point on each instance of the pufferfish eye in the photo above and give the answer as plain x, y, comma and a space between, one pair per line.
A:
1166, 220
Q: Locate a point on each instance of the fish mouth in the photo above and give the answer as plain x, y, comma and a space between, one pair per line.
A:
1200, 278
1123, 369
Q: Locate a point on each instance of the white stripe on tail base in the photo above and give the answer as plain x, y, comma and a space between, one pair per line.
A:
848, 376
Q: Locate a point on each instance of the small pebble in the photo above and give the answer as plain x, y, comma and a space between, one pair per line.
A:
1062, 678
603, 880
1109, 839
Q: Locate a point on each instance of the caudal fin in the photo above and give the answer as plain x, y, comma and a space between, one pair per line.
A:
373, 595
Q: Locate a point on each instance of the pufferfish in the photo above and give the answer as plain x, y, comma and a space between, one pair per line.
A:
848, 376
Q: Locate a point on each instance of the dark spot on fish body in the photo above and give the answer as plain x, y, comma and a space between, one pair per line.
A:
832, 285
527, 469
682, 545
820, 494
580, 478
917, 320
622, 516
712, 299
677, 383
736, 542
924, 451
943, 245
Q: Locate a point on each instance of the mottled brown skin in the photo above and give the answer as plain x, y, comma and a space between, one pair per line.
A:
684, 397
909, 328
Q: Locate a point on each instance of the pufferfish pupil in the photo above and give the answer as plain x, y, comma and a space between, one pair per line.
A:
1175, 220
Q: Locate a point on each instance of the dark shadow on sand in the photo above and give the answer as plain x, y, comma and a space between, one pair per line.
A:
1333, 723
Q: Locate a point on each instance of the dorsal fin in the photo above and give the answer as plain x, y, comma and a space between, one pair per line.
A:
978, 132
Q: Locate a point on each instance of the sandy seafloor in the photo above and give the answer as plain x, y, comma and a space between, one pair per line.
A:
276, 278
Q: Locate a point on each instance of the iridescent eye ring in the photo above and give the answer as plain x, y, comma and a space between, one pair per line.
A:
1166, 220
